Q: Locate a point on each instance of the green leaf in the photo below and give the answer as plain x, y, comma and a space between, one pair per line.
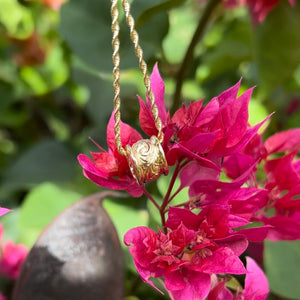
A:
16, 19
277, 44
47, 77
282, 265
40, 206
125, 217
46, 161
100, 94
86, 27
9, 222
232, 48
176, 42
147, 14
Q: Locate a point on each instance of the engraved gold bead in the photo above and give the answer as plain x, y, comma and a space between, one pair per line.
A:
146, 159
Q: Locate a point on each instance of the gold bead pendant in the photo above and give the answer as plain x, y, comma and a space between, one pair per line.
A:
146, 159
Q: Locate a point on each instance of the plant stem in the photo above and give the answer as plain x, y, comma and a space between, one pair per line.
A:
189, 55
151, 198
167, 196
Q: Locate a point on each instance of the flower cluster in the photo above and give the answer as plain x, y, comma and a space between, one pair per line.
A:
259, 9
197, 250
12, 257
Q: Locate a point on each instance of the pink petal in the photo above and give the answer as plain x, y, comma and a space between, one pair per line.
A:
212, 187
128, 135
283, 172
283, 227
283, 141
236, 243
229, 95
256, 283
196, 288
136, 239
249, 134
222, 260
89, 166
4, 211
106, 163
200, 142
195, 171
208, 113
235, 118
177, 216
12, 259
158, 88
256, 234
146, 119
236, 164
179, 151
109, 183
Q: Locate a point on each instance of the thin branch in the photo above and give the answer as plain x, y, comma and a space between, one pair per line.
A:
150, 198
189, 55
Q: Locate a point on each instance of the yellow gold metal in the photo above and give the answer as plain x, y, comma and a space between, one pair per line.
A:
146, 159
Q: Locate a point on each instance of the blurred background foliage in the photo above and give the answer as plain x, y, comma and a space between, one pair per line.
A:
56, 91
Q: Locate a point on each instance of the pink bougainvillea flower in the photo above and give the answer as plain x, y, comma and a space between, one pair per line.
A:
259, 9
12, 257
4, 211
110, 169
2, 297
206, 134
194, 248
256, 285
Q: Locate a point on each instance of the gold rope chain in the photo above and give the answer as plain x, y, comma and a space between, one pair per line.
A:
146, 157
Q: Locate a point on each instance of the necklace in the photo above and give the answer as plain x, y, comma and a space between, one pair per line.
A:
146, 158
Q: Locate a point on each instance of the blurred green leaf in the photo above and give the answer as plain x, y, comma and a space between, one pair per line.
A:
99, 94
277, 44
147, 14
40, 206
125, 217
183, 23
9, 221
16, 18
46, 161
49, 76
233, 48
86, 27
282, 265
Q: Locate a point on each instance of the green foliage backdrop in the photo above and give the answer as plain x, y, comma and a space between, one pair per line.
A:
55, 92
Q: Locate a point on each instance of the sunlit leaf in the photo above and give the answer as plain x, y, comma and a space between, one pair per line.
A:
16, 19
40, 206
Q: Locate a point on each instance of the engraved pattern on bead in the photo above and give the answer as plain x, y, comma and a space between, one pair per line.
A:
146, 160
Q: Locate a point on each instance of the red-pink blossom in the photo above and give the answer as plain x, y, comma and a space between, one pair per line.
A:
258, 9
194, 248
206, 134
12, 257
256, 285
110, 169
